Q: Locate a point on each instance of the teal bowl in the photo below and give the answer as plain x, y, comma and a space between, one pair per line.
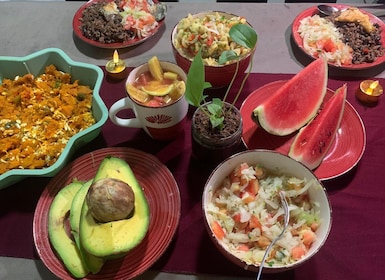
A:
87, 74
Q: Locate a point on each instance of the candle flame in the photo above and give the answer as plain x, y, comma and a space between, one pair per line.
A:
115, 57
372, 86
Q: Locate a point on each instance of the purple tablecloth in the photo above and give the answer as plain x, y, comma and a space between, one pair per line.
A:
355, 248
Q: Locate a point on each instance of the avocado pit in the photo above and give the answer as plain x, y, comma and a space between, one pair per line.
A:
110, 199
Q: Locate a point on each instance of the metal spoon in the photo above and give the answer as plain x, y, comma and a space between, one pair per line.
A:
285, 225
159, 10
327, 10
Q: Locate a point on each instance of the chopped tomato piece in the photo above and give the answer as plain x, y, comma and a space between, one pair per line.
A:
217, 230
254, 222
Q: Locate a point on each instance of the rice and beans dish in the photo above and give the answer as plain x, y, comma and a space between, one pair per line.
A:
118, 21
344, 38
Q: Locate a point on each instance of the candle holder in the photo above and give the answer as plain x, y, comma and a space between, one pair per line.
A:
369, 92
116, 68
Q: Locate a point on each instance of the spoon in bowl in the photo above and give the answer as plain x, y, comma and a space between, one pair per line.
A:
327, 10
285, 206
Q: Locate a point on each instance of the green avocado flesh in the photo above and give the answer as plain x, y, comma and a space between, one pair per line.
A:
295, 103
113, 239
64, 246
94, 264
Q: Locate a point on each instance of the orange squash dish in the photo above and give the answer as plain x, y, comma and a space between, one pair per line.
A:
38, 116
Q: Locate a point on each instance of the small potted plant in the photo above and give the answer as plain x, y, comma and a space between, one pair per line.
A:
217, 124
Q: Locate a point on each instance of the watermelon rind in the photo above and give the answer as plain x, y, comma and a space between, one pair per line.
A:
294, 104
313, 141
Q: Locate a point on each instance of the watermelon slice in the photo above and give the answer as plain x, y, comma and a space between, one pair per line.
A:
315, 139
294, 104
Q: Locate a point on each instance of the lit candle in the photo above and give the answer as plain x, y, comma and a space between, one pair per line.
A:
369, 91
116, 68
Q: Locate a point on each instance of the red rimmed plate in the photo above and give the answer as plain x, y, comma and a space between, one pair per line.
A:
313, 10
76, 24
163, 196
344, 154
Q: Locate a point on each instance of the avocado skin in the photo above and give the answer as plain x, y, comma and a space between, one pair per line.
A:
94, 264
64, 246
116, 238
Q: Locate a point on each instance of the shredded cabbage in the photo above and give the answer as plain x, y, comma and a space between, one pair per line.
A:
321, 37
251, 216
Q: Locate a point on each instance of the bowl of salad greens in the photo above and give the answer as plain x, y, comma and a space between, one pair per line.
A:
244, 214
209, 32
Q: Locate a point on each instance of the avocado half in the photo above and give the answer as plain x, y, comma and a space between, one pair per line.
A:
60, 239
94, 264
114, 239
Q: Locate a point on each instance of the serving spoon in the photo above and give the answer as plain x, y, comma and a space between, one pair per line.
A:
327, 10
285, 225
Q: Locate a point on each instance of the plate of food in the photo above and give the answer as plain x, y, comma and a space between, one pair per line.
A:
345, 152
114, 24
160, 190
350, 39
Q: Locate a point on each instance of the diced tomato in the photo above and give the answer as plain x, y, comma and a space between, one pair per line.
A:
254, 223
209, 40
253, 187
330, 46
243, 248
298, 252
218, 230
308, 237
238, 223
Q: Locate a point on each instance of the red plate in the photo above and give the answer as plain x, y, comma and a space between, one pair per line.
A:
163, 196
76, 23
313, 10
344, 154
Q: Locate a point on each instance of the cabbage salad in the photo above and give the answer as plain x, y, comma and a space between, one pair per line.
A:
211, 33
137, 16
321, 37
245, 215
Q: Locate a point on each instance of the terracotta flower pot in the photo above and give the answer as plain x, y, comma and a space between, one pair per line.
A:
214, 145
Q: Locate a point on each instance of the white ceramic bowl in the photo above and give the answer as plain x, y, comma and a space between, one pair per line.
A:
274, 161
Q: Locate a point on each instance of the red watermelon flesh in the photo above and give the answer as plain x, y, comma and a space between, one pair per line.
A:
294, 104
315, 139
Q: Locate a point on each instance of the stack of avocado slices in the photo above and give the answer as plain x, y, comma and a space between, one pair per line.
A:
95, 242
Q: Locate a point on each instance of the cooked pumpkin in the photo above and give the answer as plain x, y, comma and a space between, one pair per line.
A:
38, 115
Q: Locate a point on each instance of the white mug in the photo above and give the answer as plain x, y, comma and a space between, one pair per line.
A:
160, 123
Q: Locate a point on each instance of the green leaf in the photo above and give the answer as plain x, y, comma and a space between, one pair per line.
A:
216, 122
196, 83
214, 109
243, 35
227, 56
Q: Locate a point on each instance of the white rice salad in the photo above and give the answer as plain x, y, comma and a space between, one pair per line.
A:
321, 37
246, 214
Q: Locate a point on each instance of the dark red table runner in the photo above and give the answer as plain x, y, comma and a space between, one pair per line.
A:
356, 245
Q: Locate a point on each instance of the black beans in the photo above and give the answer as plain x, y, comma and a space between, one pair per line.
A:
366, 46
103, 29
